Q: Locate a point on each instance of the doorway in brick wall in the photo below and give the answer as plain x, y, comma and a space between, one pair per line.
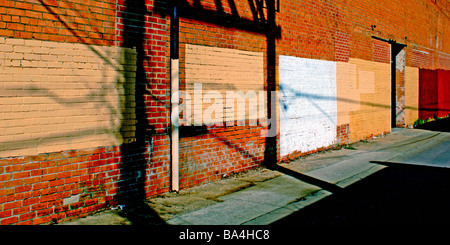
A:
397, 84
389, 51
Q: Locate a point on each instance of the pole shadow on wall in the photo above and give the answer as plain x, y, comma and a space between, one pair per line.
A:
273, 32
263, 23
136, 152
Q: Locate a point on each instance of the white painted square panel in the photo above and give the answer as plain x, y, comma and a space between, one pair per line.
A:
307, 104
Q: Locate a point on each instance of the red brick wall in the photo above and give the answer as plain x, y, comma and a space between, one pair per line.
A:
219, 152
444, 61
342, 46
381, 51
34, 187
422, 58
144, 168
37, 189
342, 132
308, 27
208, 153
91, 22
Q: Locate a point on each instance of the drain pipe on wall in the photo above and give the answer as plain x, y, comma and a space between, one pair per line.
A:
174, 99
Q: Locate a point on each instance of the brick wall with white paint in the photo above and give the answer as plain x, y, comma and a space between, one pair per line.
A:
318, 97
307, 104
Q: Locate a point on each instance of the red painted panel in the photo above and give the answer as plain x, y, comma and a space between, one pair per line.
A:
443, 84
434, 93
428, 102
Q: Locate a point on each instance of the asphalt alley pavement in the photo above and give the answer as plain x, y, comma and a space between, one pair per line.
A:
374, 184
412, 189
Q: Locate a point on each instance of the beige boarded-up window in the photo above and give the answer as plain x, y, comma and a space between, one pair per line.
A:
222, 86
64, 96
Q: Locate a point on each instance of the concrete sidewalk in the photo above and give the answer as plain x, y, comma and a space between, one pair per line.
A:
263, 196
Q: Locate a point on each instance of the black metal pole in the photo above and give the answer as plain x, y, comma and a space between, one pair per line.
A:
174, 30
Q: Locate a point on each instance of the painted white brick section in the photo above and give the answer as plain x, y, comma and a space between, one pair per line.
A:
307, 104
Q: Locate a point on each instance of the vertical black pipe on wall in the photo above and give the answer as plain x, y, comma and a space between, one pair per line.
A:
393, 86
174, 30
271, 142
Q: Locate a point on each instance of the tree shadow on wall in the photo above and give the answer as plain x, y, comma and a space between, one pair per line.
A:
135, 129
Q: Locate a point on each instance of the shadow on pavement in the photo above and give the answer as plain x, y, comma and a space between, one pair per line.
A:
311, 180
398, 194
442, 125
140, 213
